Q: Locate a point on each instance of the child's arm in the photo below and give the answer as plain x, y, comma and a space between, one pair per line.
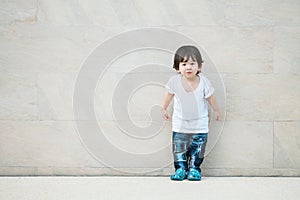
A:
166, 101
211, 100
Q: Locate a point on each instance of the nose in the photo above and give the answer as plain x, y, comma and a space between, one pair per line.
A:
188, 66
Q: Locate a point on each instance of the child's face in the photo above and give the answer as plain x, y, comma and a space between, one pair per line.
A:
189, 68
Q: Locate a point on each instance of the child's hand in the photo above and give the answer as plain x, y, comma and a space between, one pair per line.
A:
217, 115
165, 114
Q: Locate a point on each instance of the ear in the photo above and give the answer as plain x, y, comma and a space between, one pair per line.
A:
199, 68
177, 70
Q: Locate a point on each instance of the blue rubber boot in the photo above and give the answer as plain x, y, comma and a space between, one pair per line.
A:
179, 175
194, 175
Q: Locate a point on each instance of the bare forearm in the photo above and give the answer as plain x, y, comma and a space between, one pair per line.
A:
212, 101
166, 100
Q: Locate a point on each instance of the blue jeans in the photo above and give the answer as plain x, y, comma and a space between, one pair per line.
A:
188, 150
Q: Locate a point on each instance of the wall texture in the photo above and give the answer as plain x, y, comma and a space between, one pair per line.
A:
254, 44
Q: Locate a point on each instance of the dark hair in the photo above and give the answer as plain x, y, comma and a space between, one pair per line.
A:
184, 53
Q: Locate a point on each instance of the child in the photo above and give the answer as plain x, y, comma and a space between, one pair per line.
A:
190, 119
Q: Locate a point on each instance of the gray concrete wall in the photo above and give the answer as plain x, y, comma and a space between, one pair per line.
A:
255, 46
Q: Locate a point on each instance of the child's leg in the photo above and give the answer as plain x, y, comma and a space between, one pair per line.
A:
180, 147
197, 150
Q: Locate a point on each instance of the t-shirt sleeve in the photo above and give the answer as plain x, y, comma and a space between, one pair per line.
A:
170, 86
208, 88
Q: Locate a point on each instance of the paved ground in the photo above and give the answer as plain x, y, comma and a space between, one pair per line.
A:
89, 188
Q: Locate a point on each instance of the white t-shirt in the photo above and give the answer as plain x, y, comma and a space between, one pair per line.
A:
190, 109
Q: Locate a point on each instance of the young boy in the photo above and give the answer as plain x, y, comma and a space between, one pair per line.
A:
190, 119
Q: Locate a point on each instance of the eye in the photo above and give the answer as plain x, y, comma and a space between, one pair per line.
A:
183, 64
